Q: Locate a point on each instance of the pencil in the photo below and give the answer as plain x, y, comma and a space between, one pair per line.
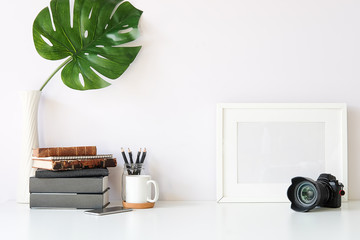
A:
143, 156
138, 156
124, 156
126, 161
130, 156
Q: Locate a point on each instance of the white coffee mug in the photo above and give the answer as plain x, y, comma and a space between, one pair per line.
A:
138, 189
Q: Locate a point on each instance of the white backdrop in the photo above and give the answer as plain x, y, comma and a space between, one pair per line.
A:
196, 53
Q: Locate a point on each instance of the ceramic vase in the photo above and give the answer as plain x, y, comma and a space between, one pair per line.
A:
30, 140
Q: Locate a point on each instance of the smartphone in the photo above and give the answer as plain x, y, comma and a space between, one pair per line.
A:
109, 210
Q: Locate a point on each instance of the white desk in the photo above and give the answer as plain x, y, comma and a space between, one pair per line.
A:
184, 220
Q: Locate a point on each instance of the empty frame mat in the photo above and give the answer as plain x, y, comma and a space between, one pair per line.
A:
262, 146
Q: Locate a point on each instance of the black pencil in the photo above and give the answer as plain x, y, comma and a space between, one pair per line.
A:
130, 156
143, 156
126, 161
138, 156
124, 156
137, 167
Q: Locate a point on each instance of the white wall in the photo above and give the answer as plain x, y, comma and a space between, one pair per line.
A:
195, 54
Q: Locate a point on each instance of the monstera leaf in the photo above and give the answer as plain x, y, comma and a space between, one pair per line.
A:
89, 39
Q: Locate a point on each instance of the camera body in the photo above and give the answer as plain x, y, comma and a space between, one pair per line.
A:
306, 194
336, 190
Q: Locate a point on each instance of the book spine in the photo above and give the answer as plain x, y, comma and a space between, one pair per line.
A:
74, 157
65, 151
67, 200
79, 173
69, 185
83, 163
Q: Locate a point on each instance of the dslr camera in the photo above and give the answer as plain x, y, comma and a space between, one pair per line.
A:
306, 194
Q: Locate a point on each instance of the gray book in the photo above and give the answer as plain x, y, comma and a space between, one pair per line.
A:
69, 200
89, 172
69, 185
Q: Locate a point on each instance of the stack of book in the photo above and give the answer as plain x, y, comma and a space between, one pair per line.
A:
70, 177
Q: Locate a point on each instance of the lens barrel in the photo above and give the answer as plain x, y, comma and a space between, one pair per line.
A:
305, 194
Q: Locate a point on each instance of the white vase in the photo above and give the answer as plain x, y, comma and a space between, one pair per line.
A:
30, 140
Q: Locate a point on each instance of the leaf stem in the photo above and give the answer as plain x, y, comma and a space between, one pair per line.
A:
56, 70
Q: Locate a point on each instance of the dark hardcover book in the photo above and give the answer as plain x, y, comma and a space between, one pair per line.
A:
73, 164
65, 151
68, 185
69, 200
90, 172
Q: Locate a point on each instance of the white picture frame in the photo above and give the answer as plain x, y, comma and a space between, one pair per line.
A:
261, 146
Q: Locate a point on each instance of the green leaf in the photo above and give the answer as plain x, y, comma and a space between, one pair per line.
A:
90, 40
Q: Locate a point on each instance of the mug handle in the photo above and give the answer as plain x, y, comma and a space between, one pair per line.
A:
156, 188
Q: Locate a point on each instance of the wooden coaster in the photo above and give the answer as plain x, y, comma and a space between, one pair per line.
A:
138, 205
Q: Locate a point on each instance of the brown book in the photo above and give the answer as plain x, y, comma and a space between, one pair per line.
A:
73, 164
65, 151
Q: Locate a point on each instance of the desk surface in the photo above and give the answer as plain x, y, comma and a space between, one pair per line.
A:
183, 220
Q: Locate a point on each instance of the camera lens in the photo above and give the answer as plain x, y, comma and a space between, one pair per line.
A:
306, 193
